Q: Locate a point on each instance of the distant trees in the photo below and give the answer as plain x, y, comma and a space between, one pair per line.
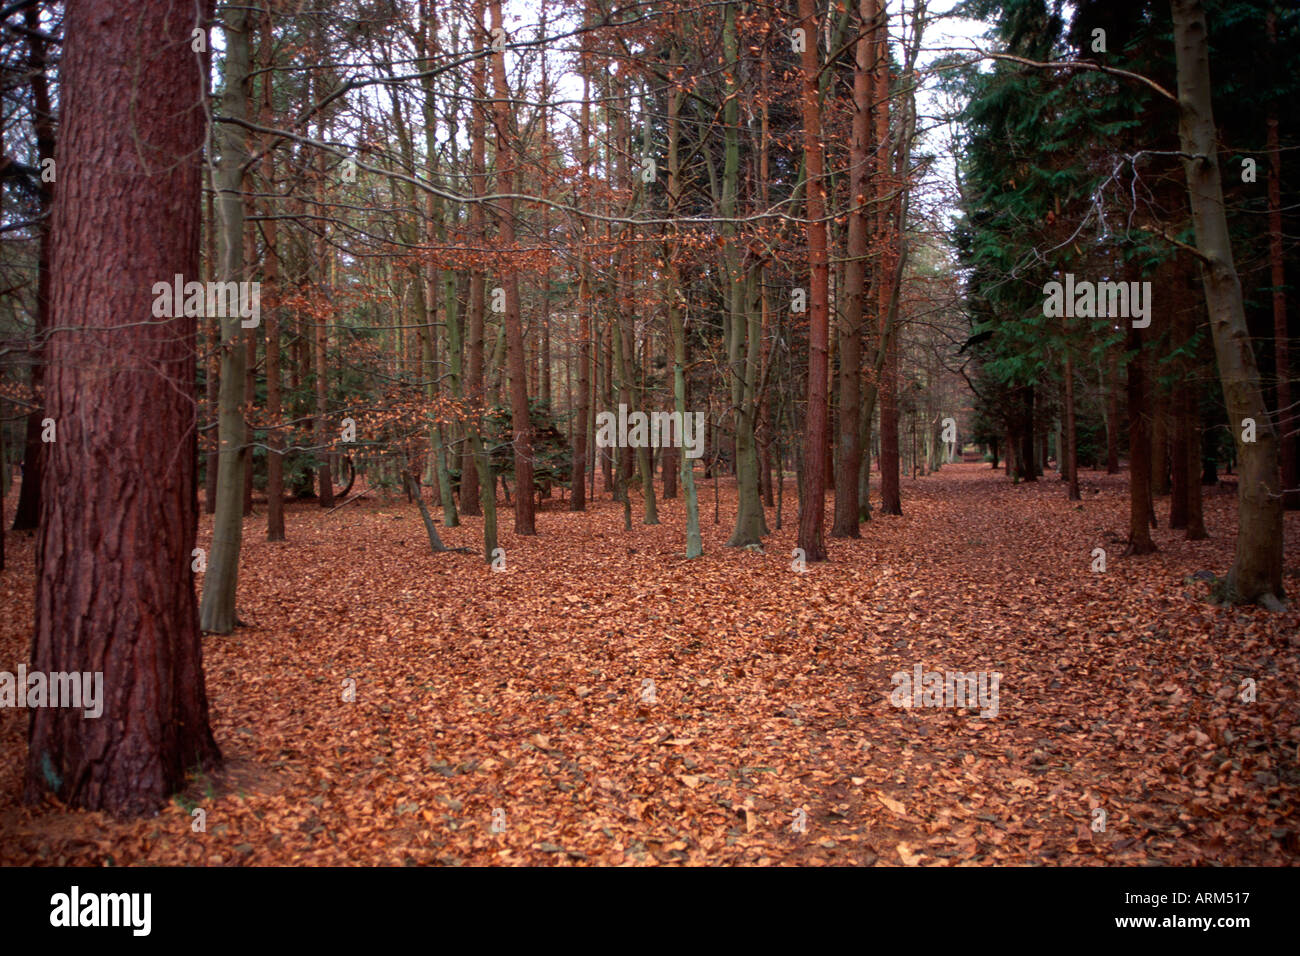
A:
1086, 172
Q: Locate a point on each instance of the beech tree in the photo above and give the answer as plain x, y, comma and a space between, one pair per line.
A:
503, 117
217, 610
1256, 574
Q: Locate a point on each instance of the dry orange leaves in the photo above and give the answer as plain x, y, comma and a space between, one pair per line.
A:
603, 700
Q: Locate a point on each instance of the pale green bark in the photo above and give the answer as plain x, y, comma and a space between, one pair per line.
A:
217, 608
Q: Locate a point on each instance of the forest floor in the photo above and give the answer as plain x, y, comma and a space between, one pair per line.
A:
522, 697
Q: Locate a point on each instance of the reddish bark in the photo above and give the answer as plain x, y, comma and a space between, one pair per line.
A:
115, 590
812, 502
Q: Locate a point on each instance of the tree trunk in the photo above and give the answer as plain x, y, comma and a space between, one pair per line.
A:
1159, 438
1112, 412
891, 502
28, 510
250, 386
849, 462
578, 485
645, 454
865, 419
1286, 419
742, 324
812, 502
274, 399
1192, 464
578, 439
1070, 453
212, 380
1026, 455
676, 325
694, 543
1256, 574
413, 490
520, 422
472, 468
1139, 452
217, 610
115, 590
1183, 406
1183, 428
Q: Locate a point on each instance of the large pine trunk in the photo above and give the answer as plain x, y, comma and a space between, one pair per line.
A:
115, 589
849, 460
891, 501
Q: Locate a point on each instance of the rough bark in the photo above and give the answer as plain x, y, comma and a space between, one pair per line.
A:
891, 502
812, 511
849, 459
115, 589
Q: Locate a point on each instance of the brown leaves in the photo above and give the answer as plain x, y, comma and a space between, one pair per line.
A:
893, 805
1121, 737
